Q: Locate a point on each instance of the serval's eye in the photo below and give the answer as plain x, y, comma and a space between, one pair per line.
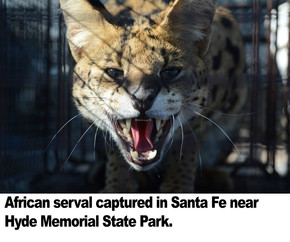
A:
170, 73
116, 74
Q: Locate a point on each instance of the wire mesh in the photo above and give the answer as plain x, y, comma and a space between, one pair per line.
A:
35, 91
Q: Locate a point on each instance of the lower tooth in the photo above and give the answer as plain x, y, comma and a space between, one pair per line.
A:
152, 154
134, 154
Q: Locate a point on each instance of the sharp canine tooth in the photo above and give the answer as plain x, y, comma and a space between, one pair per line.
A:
125, 131
128, 136
163, 122
134, 154
158, 124
152, 154
122, 124
128, 123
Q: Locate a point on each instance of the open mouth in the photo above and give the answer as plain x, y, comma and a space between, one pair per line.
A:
143, 139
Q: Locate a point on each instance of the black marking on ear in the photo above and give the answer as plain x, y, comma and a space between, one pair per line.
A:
216, 61
233, 50
226, 22
125, 17
97, 4
83, 85
125, 21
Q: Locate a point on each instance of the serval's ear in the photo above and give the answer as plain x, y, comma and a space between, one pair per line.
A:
85, 20
190, 21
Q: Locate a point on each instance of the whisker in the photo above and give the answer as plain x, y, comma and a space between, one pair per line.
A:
170, 137
108, 145
169, 146
220, 130
106, 134
76, 146
225, 114
95, 142
74, 117
172, 129
53, 138
197, 146
182, 139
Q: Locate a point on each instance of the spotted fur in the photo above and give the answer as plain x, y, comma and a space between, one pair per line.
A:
144, 61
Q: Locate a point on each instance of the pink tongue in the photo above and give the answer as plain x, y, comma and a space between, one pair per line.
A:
141, 132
